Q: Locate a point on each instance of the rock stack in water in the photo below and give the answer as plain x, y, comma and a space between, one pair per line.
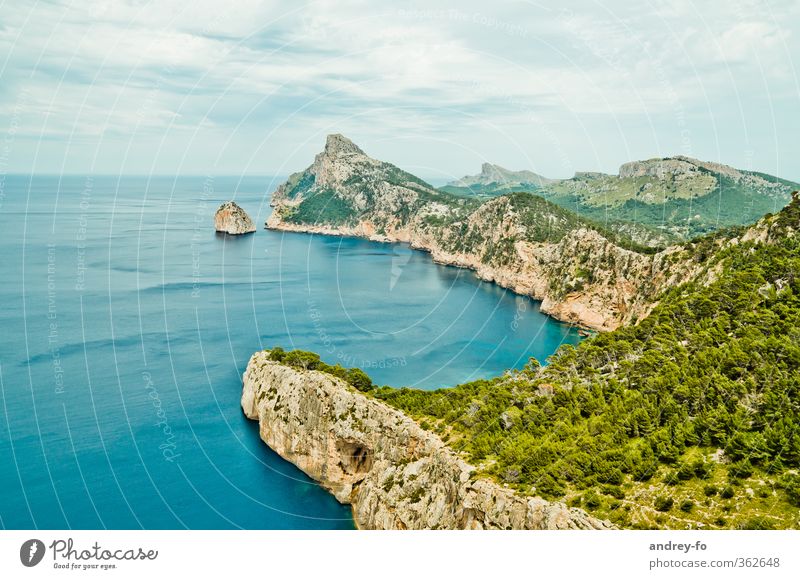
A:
233, 220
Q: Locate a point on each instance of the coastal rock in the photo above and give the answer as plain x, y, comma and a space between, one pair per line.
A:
395, 474
580, 276
232, 219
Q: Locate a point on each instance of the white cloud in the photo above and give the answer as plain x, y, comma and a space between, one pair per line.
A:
122, 70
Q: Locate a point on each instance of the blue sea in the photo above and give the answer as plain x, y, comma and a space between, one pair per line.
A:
126, 323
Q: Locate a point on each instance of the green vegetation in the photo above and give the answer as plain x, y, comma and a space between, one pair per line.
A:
323, 207
545, 221
538, 221
702, 395
680, 209
299, 183
303, 360
655, 211
688, 418
487, 191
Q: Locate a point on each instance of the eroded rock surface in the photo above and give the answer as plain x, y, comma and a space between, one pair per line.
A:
395, 474
233, 220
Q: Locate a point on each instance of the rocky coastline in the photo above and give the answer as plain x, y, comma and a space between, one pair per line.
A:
393, 473
581, 276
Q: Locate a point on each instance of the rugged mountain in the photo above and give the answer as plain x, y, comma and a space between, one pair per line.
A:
687, 419
683, 415
232, 219
395, 474
494, 180
679, 197
581, 272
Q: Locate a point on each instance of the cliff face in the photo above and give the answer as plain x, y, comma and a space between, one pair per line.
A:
232, 219
394, 474
518, 241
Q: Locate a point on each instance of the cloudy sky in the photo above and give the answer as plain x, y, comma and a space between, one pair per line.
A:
437, 88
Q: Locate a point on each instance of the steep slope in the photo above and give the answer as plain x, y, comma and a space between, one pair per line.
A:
688, 419
678, 196
395, 474
582, 273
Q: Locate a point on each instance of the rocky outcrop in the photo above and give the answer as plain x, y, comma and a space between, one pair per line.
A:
531, 247
659, 168
232, 219
395, 474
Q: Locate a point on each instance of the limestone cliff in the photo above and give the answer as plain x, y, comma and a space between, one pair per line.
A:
581, 273
232, 219
395, 474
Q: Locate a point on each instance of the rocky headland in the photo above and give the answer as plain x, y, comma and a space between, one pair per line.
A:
395, 474
580, 272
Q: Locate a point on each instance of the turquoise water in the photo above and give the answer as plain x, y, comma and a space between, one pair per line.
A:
127, 323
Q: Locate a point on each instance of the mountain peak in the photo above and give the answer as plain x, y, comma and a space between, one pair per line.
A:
495, 174
337, 145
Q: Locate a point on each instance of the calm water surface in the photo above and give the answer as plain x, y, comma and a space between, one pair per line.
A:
126, 323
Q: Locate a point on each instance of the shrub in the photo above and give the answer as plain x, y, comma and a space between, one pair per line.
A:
791, 484
741, 469
663, 503
686, 471
756, 524
359, 379
592, 500
702, 469
614, 491
356, 377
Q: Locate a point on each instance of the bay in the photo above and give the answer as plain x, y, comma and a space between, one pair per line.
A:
127, 323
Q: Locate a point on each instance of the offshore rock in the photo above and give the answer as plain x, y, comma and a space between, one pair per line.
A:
233, 220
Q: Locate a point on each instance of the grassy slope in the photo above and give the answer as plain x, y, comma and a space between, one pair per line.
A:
681, 209
674, 209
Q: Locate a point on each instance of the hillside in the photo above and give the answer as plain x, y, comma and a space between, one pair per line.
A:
688, 419
679, 197
582, 272
656, 202
393, 473
683, 414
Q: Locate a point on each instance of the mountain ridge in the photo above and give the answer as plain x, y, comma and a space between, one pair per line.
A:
685, 420
675, 198
581, 272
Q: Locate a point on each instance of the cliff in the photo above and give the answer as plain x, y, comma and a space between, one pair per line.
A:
582, 273
395, 474
232, 219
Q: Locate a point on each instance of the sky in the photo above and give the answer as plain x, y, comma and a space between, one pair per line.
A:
437, 88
